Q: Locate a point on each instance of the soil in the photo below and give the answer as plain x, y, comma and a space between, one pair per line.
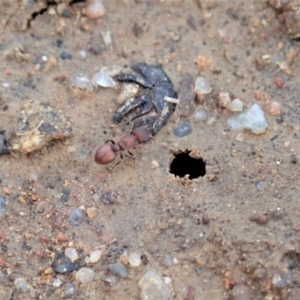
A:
237, 226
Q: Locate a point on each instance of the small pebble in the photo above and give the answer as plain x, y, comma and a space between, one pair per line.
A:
118, 269
21, 285
281, 279
258, 218
154, 287
200, 115
2, 201
65, 55
279, 82
64, 197
235, 105
111, 71
252, 119
184, 128
103, 80
240, 292
190, 293
3, 278
94, 48
205, 219
82, 54
224, 99
275, 108
57, 282
211, 120
202, 86
259, 273
167, 261
95, 9
111, 280
85, 275
59, 43
71, 253
69, 290
134, 260
91, 212
63, 264
95, 256
240, 137
154, 164
83, 83
258, 186
76, 217
200, 270
294, 159
110, 197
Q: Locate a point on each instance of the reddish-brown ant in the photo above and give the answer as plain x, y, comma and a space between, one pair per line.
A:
109, 151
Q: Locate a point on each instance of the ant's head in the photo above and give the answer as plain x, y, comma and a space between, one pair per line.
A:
105, 154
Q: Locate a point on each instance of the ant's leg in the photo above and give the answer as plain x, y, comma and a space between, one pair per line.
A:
114, 166
132, 156
110, 141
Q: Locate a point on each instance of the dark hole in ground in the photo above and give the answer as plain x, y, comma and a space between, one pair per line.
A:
183, 164
43, 10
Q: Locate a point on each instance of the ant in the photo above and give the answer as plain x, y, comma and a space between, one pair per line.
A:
108, 152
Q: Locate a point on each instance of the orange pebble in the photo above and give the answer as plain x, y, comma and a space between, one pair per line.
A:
8, 72
279, 82
275, 108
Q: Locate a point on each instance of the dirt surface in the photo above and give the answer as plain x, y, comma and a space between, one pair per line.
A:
232, 234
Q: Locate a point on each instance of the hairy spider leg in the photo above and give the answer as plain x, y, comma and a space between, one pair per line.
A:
139, 79
144, 102
163, 111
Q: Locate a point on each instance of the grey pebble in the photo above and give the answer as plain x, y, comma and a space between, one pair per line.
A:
240, 292
65, 195
111, 280
63, 264
153, 287
118, 269
85, 275
281, 279
76, 217
65, 55
69, 290
184, 128
2, 201
21, 285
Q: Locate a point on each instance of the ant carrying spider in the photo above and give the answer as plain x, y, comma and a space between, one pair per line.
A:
151, 110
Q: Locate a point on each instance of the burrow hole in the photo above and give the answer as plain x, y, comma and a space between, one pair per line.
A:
49, 3
183, 164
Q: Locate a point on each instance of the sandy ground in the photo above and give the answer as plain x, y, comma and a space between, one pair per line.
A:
250, 193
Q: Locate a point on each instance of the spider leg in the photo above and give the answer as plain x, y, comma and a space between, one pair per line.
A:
144, 102
139, 79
